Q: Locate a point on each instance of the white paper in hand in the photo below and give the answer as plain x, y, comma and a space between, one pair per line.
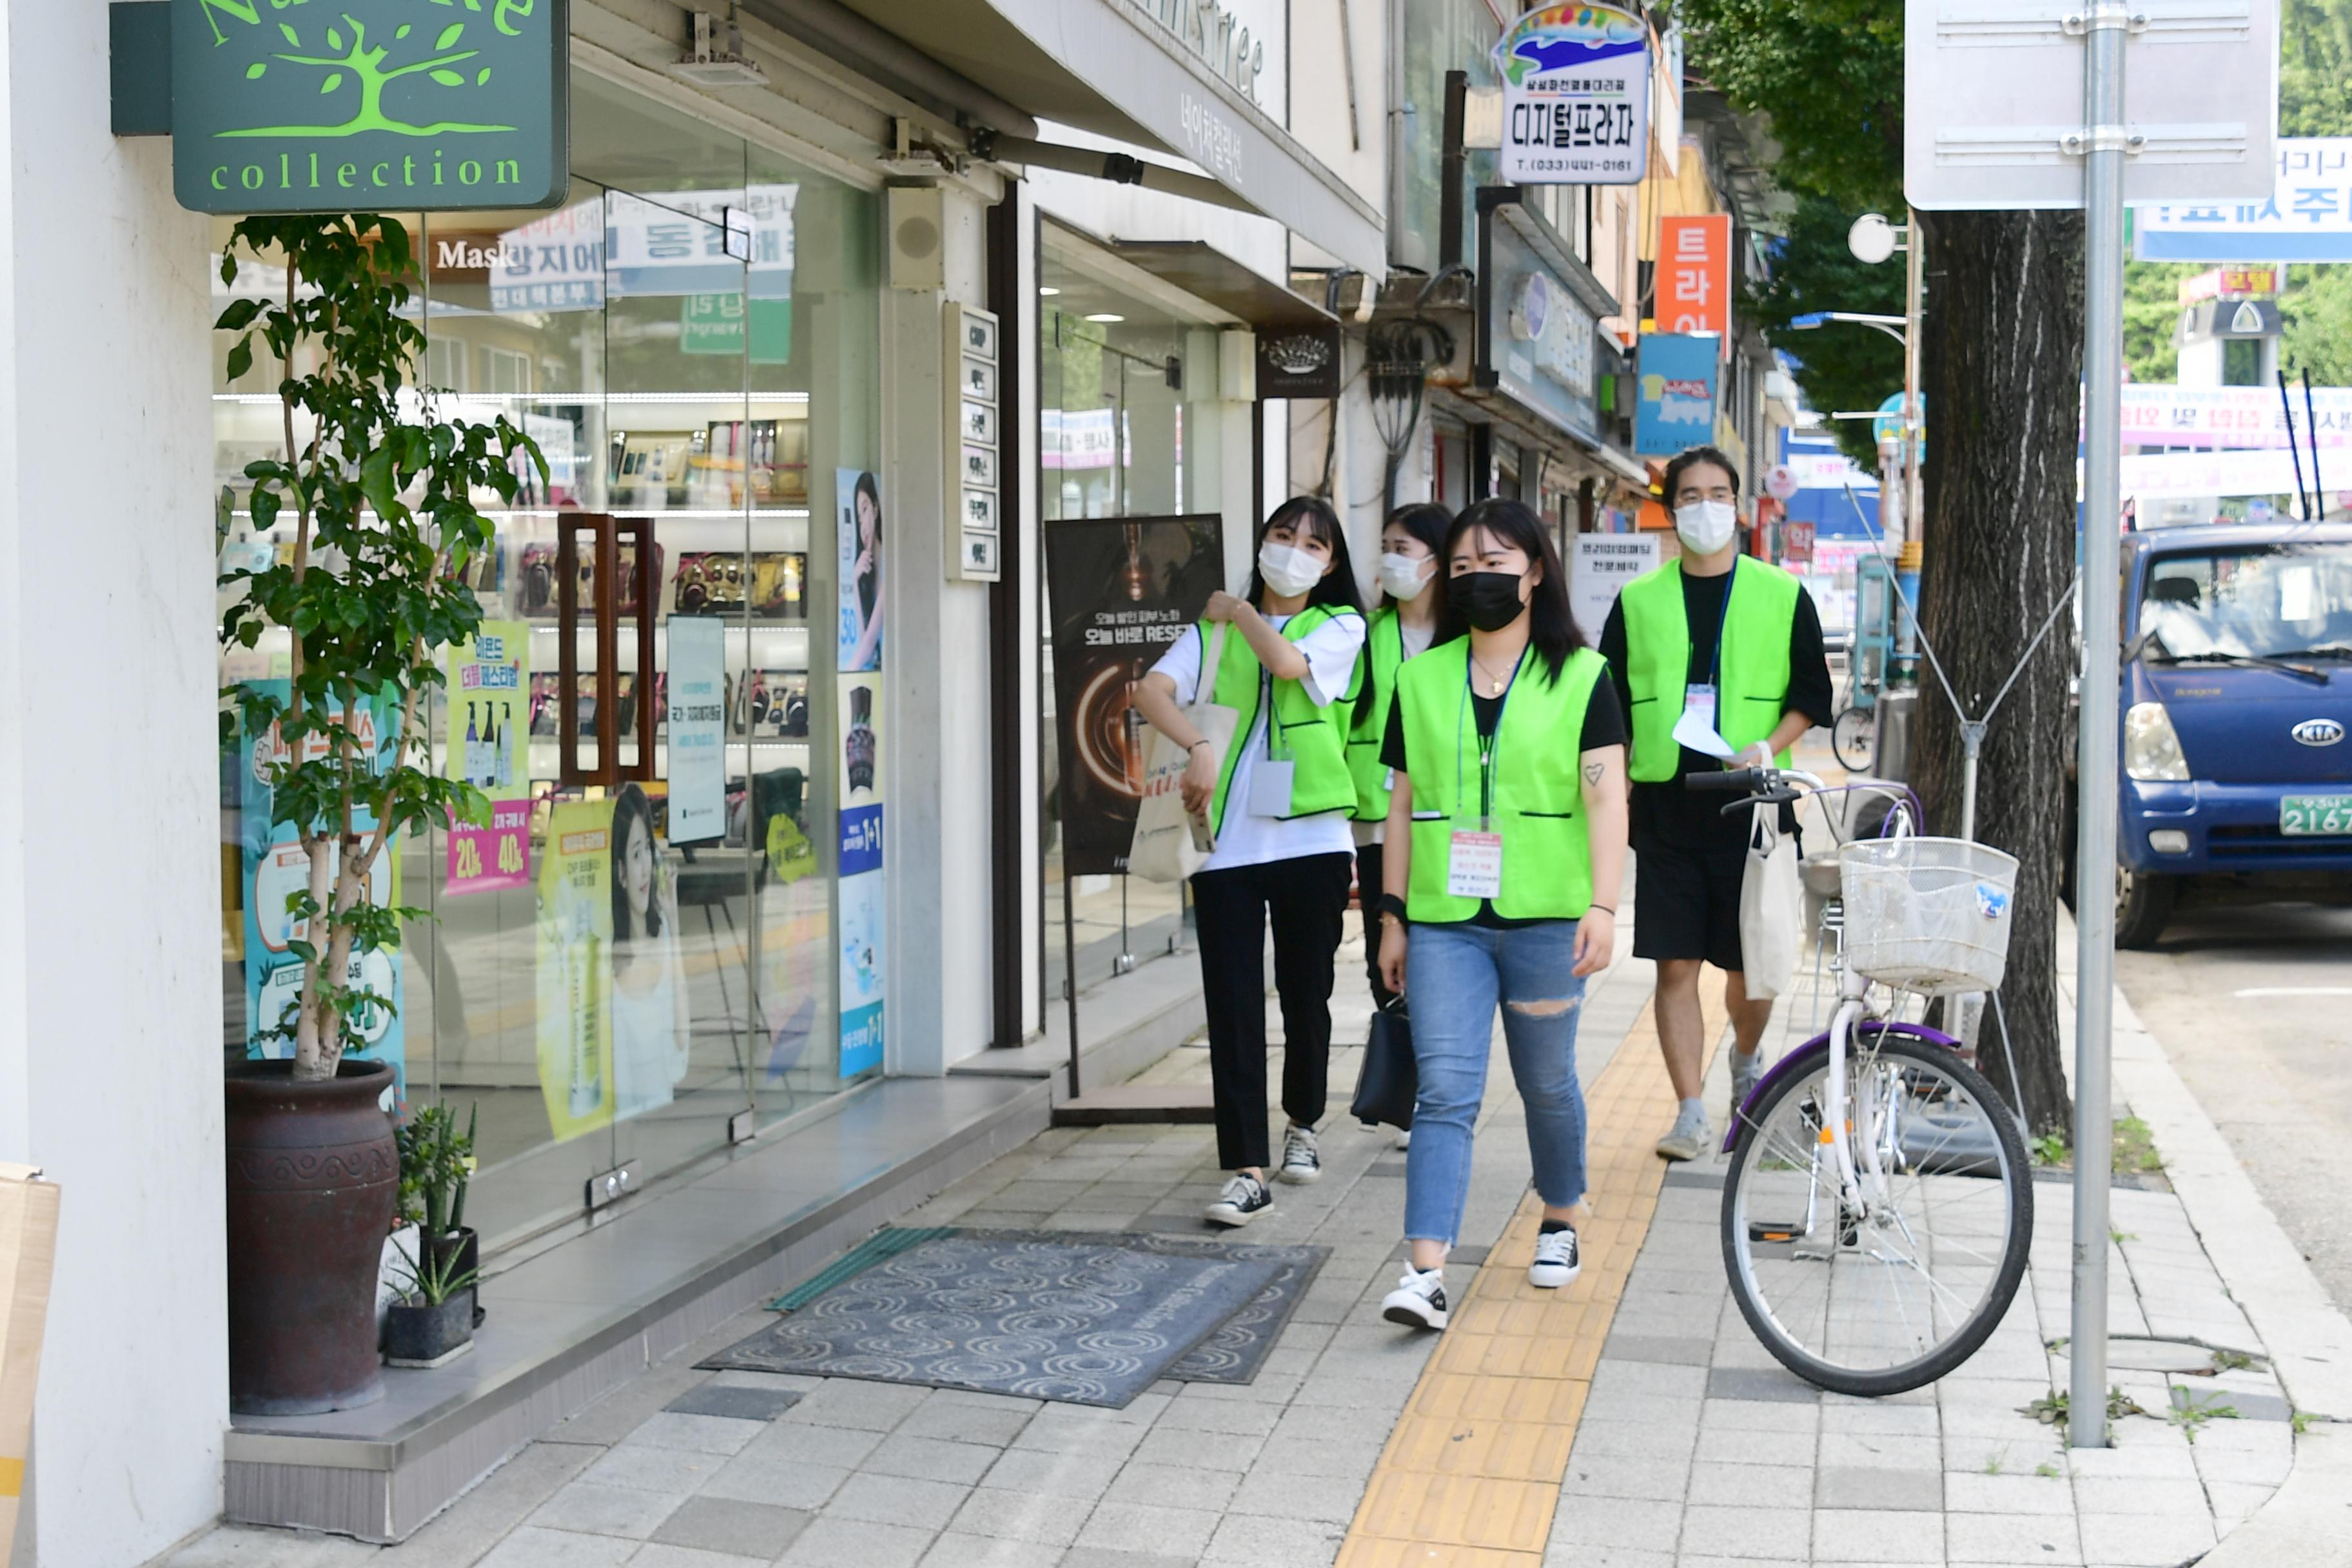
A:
1695, 730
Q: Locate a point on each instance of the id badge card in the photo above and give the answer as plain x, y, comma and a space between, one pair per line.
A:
1269, 794
1474, 863
1696, 731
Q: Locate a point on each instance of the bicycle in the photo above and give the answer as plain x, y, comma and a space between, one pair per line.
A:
1879, 1204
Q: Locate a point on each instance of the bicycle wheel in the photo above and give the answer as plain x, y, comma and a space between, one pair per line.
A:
1853, 736
1894, 1293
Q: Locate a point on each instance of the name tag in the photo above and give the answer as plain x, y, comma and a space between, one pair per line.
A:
1695, 728
1270, 787
1473, 865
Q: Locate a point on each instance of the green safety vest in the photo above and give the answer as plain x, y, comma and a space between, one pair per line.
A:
1313, 739
1752, 661
1528, 789
1383, 652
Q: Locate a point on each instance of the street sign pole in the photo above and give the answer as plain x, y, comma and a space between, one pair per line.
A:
1915, 421
2106, 142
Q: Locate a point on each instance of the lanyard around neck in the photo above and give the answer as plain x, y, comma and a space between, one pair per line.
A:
1723, 625
1491, 745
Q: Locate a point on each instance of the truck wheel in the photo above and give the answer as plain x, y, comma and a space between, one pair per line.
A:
2143, 903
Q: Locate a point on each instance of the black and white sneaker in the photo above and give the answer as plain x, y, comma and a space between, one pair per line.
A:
1243, 1199
1556, 1261
1419, 1300
1302, 1156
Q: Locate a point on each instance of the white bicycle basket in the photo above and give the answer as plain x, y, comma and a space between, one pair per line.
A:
1929, 915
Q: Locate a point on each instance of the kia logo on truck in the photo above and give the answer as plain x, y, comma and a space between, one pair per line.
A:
2318, 731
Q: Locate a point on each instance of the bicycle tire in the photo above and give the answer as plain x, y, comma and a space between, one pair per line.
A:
2017, 1179
1850, 734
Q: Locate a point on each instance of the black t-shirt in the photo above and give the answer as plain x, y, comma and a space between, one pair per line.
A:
1604, 725
1665, 811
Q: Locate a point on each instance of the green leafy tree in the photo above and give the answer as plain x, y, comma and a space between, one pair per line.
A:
382, 494
1839, 366
2151, 314
2315, 68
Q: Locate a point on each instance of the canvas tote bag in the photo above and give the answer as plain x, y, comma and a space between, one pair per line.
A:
1170, 842
28, 1246
1771, 907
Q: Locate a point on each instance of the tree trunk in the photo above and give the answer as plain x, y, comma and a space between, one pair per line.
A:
2002, 356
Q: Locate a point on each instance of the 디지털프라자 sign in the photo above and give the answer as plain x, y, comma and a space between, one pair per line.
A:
1576, 97
363, 105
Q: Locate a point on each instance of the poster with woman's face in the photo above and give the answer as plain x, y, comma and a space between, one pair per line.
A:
858, 538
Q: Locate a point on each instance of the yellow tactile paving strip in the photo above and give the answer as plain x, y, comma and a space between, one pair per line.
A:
1472, 1473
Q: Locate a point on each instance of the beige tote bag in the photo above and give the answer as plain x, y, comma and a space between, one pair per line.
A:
1170, 842
28, 1246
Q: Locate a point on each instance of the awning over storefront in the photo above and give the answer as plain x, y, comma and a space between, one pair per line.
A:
1107, 67
1201, 268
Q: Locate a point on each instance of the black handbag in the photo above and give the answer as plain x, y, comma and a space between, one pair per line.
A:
1391, 1079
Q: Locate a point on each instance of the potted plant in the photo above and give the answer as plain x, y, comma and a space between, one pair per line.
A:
434, 1322
436, 1163
377, 494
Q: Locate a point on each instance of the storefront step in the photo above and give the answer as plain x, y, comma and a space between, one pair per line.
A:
570, 1323
1124, 1025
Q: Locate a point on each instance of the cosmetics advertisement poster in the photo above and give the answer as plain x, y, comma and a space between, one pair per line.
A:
489, 710
862, 775
575, 967
697, 732
275, 868
857, 496
1123, 589
862, 958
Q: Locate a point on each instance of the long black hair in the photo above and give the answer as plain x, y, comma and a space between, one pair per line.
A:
1551, 630
1429, 523
1314, 515
633, 812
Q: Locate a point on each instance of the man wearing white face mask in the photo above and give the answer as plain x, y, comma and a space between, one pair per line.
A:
1719, 663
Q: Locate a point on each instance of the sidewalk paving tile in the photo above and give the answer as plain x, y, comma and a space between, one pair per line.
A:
856, 1543
1176, 1531
954, 1549
594, 1509
2017, 1538
1877, 1536
723, 1524
1879, 1486
1759, 1532
535, 1547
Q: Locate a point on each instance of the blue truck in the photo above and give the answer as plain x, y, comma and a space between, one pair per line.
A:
2236, 783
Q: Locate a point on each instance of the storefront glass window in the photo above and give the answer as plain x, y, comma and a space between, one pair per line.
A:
691, 339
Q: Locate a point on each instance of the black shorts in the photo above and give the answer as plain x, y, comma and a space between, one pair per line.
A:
1686, 900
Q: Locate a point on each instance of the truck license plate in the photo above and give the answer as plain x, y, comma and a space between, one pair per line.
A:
2315, 814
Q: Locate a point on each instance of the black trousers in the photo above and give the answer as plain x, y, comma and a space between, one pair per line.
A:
1368, 900
1308, 899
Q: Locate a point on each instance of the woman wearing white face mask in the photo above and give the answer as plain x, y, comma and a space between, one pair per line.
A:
1715, 658
1278, 804
1412, 598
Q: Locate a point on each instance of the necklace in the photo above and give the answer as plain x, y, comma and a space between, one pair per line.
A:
1497, 684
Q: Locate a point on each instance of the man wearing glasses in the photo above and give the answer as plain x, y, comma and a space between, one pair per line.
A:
1719, 663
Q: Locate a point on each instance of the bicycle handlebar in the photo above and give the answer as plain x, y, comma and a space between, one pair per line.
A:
1736, 781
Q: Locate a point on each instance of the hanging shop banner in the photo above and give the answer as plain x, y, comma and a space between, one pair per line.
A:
2157, 414
857, 538
2232, 283
275, 868
2267, 472
370, 105
1123, 589
1303, 361
696, 732
1676, 403
862, 906
1600, 565
2308, 216
575, 967
1576, 97
1694, 276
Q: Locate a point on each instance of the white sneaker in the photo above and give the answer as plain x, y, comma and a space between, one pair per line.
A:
1556, 1261
1686, 1140
1243, 1199
1404, 1139
1419, 1300
1302, 1156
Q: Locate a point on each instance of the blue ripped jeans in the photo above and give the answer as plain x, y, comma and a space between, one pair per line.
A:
1456, 975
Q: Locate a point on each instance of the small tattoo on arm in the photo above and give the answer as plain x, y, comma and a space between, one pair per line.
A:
1593, 771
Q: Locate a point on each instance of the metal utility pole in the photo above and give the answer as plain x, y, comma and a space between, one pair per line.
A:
2106, 142
1914, 424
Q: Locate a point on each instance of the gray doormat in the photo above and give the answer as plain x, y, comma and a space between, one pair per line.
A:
1235, 1349
1081, 1320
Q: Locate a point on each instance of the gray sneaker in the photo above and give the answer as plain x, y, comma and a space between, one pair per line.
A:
1746, 1072
1687, 1139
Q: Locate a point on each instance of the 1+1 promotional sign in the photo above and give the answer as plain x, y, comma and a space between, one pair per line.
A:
1576, 97
430, 105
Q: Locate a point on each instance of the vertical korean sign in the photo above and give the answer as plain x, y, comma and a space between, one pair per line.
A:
696, 728
574, 970
1694, 276
858, 653
1576, 97
370, 105
489, 676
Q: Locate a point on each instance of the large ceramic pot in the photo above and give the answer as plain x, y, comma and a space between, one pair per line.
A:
313, 1176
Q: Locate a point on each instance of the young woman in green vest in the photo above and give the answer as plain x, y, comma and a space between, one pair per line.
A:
1506, 848
1278, 804
1413, 602
1718, 657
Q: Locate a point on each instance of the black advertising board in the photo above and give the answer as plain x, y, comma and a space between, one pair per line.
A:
1298, 362
1123, 588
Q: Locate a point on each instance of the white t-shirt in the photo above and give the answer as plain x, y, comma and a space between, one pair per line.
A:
1415, 640
1245, 840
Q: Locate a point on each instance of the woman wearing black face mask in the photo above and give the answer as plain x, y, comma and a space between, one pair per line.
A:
1505, 847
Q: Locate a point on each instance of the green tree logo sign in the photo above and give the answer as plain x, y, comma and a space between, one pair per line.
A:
338, 105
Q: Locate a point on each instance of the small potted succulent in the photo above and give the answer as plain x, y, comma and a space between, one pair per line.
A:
436, 1163
434, 1322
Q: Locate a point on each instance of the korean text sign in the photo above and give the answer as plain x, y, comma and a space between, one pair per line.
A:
2308, 217
1677, 397
1695, 275
1576, 97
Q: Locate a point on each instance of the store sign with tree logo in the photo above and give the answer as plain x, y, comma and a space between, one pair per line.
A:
344, 105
